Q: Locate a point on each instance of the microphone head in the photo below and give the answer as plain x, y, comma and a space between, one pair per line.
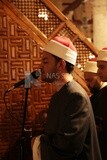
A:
29, 77
36, 74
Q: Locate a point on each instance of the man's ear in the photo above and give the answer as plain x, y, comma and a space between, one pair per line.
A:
61, 65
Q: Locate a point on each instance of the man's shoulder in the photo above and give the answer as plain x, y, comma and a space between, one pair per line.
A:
76, 87
104, 88
103, 91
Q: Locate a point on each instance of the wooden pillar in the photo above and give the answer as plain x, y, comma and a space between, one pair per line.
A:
58, 4
100, 23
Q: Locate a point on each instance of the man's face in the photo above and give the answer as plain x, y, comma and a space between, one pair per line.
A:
102, 70
93, 81
49, 67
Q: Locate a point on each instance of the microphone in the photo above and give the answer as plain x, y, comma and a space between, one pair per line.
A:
29, 77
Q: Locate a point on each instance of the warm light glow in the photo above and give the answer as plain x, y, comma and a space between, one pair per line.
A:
42, 13
80, 66
91, 56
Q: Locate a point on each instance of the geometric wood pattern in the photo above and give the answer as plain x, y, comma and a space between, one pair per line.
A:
18, 54
43, 14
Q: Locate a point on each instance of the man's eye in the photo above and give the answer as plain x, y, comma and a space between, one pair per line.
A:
101, 68
45, 62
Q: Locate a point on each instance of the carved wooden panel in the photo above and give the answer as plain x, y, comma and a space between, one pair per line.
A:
50, 21
18, 54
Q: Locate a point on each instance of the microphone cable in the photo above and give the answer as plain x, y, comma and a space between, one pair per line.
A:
8, 108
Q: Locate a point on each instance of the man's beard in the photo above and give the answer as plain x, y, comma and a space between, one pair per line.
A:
50, 77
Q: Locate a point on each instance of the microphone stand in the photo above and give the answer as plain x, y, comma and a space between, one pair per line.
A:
22, 150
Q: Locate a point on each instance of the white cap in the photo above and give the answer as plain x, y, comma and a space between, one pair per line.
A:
102, 55
91, 66
63, 48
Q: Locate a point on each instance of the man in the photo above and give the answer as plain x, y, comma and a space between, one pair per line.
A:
102, 72
70, 132
102, 64
92, 79
95, 85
